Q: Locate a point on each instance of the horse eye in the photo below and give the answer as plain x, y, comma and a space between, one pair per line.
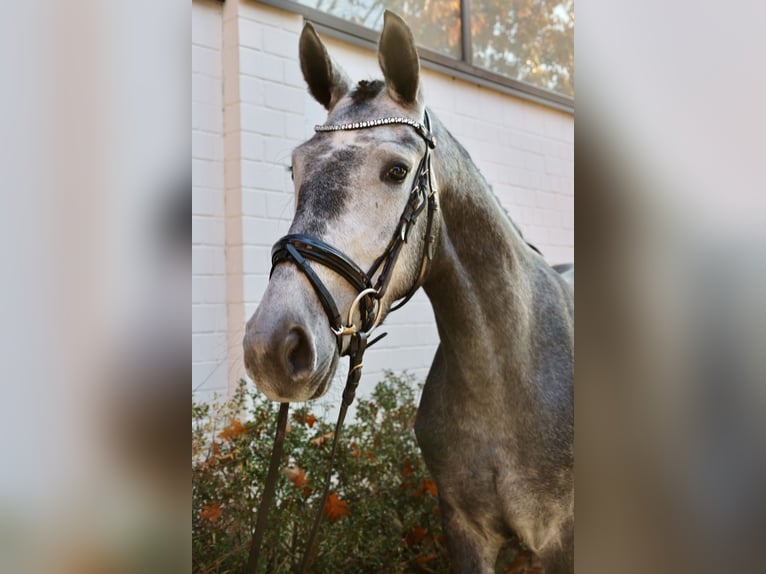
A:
397, 173
292, 172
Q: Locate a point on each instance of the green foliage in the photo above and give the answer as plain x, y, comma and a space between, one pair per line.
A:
385, 518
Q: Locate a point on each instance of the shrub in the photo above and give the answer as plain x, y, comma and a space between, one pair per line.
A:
382, 515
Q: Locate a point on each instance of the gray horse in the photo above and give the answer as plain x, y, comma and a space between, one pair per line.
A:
495, 423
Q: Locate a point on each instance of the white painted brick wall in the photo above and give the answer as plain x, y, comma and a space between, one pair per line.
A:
524, 150
209, 349
271, 110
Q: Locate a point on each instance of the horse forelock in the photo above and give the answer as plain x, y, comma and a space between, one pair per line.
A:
366, 90
368, 100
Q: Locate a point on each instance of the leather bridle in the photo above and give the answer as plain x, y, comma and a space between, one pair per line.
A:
370, 287
301, 248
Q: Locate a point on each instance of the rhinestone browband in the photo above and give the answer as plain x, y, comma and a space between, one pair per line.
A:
420, 128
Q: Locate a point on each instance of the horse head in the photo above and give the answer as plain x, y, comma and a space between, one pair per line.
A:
357, 242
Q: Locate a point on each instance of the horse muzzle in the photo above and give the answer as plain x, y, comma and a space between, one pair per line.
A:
287, 359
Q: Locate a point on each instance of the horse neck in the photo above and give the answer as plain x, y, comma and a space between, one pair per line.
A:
481, 277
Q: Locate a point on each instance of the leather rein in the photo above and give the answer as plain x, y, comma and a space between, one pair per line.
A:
370, 286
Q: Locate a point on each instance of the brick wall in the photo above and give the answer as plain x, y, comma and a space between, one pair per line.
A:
209, 335
524, 150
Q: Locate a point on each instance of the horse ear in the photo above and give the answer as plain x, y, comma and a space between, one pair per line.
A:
327, 82
399, 59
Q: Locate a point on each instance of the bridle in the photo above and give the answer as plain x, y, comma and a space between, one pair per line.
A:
370, 287
300, 248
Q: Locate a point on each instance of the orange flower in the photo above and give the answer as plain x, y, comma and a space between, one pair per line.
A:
217, 456
415, 535
296, 475
211, 512
426, 486
426, 558
429, 486
358, 452
335, 508
407, 470
308, 419
232, 431
320, 440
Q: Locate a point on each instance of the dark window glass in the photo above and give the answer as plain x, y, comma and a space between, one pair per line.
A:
434, 23
527, 40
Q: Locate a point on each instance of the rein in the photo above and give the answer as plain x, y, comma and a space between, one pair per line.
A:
300, 249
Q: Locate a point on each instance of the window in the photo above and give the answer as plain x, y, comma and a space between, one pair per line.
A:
525, 47
435, 24
527, 40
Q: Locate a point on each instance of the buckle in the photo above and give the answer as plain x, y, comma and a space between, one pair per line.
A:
350, 328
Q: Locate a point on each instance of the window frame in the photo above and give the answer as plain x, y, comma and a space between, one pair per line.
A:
462, 69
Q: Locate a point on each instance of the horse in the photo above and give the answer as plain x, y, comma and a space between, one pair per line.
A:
495, 422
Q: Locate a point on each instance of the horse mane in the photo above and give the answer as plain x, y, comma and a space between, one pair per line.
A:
510, 219
501, 208
515, 225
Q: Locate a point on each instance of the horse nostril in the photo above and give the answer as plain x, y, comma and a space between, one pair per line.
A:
298, 354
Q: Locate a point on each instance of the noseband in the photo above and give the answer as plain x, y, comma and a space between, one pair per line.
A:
370, 290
